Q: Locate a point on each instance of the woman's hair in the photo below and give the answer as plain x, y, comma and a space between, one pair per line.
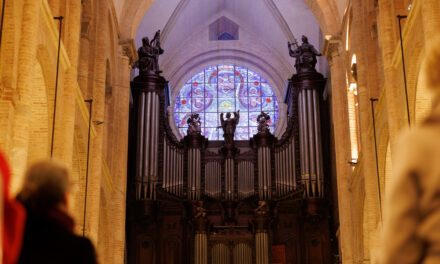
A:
45, 184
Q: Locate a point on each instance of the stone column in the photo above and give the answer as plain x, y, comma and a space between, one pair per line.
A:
430, 10
26, 59
63, 144
342, 146
122, 90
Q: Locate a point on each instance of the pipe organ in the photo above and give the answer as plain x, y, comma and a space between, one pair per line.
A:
228, 201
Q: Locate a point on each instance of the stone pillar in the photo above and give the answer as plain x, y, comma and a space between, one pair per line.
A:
430, 10
342, 146
26, 59
262, 244
63, 142
310, 87
395, 101
120, 167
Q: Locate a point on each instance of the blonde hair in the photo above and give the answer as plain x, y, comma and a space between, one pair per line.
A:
45, 185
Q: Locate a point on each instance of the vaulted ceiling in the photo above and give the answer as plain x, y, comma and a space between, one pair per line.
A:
265, 26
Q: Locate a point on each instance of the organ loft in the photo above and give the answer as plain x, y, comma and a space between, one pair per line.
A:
264, 199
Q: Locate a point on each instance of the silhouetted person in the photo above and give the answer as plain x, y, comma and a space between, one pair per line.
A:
411, 232
48, 236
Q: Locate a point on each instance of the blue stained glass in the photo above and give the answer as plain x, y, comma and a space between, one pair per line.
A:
268, 104
240, 74
183, 131
211, 75
266, 90
182, 105
199, 78
254, 89
225, 74
243, 104
225, 88
181, 118
252, 131
226, 104
211, 120
253, 77
253, 118
244, 119
197, 104
241, 133
197, 91
254, 103
185, 91
211, 133
211, 105
210, 90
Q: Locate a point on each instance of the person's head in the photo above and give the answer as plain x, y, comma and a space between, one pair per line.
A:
45, 186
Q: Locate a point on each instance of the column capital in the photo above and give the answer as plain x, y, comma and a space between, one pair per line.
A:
332, 47
128, 49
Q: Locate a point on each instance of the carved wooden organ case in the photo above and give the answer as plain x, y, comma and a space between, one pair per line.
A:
197, 201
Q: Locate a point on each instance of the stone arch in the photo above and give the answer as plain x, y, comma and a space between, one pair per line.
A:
325, 11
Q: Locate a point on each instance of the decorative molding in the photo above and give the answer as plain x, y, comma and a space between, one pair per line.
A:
280, 19
129, 49
332, 46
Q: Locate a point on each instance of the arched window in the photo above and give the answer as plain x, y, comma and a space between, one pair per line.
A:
225, 88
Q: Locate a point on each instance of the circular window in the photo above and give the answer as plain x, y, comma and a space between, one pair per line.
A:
225, 88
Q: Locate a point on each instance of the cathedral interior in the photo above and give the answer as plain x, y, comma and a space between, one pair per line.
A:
223, 131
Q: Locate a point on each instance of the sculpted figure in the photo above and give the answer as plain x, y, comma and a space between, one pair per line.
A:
149, 54
262, 208
194, 125
263, 122
229, 124
305, 55
199, 211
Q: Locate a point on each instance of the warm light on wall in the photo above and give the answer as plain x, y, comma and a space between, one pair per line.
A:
353, 110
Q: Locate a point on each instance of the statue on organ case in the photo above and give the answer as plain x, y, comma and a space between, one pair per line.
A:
305, 55
149, 55
229, 124
194, 125
263, 123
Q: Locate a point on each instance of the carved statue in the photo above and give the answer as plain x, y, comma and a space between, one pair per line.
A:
149, 55
199, 211
262, 208
194, 125
229, 124
305, 55
263, 122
